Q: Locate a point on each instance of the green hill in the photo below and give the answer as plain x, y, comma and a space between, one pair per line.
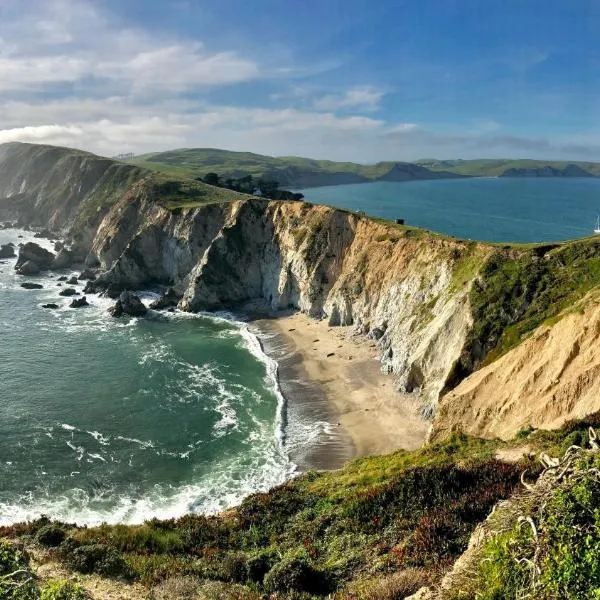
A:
503, 167
288, 171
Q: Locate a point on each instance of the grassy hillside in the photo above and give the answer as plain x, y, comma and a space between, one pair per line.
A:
520, 288
290, 171
496, 167
58, 187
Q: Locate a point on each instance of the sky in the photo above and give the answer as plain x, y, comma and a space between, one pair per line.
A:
359, 80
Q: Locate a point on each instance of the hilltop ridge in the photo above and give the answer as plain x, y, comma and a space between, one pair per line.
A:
299, 172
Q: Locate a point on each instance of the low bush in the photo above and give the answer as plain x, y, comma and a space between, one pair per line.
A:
51, 535
292, 573
16, 580
97, 558
63, 590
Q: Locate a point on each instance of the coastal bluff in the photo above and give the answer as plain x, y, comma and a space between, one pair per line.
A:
432, 305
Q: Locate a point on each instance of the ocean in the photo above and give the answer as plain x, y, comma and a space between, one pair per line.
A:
488, 209
121, 420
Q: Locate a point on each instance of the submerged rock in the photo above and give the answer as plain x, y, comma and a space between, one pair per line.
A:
79, 302
7, 251
128, 304
72, 280
29, 267
62, 278
32, 252
68, 292
50, 305
167, 300
32, 286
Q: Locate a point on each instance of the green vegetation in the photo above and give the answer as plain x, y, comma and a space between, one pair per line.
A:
322, 532
494, 167
518, 290
380, 528
547, 544
267, 188
288, 171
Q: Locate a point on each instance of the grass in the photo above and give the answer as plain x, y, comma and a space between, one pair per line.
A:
520, 289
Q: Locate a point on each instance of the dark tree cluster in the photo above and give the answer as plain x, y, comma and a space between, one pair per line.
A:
268, 188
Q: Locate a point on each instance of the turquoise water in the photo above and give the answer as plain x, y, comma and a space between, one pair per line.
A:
108, 419
490, 209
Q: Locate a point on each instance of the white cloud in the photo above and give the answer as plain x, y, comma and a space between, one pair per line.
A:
365, 97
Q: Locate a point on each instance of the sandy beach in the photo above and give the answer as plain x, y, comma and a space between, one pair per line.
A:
343, 373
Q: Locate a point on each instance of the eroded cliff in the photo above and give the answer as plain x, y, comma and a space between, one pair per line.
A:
437, 308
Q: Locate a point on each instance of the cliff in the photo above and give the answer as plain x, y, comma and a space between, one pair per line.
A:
395, 285
438, 308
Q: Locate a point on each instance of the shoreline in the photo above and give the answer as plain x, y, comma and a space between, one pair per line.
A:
332, 376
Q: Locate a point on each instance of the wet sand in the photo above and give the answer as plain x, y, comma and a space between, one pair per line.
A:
331, 374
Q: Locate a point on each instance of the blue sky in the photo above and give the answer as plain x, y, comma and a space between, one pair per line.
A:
347, 80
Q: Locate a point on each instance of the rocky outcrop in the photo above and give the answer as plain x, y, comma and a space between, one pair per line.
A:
33, 253
7, 251
128, 304
50, 305
68, 292
63, 259
79, 302
169, 299
550, 378
28, 268
31, 286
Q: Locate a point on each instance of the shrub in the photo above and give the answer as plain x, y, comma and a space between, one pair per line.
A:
51, 535
292, 573
97, 558
20, 586
63, 590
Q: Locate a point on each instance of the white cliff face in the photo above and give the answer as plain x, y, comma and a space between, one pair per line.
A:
392, 285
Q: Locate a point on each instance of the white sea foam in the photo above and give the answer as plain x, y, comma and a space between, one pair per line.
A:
263, 466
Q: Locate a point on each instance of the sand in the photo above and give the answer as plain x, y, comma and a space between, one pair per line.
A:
361, 400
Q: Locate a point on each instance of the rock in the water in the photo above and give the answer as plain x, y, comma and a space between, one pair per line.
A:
32, 252
72, 281
58, 246
68, 292
63, 259
31, 286
128, 304
28, 268
87, 274
45, 233
168, 299
50, 305
7, 251
62, 278
79, 302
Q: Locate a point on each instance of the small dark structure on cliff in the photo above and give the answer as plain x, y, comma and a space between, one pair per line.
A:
399, 221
